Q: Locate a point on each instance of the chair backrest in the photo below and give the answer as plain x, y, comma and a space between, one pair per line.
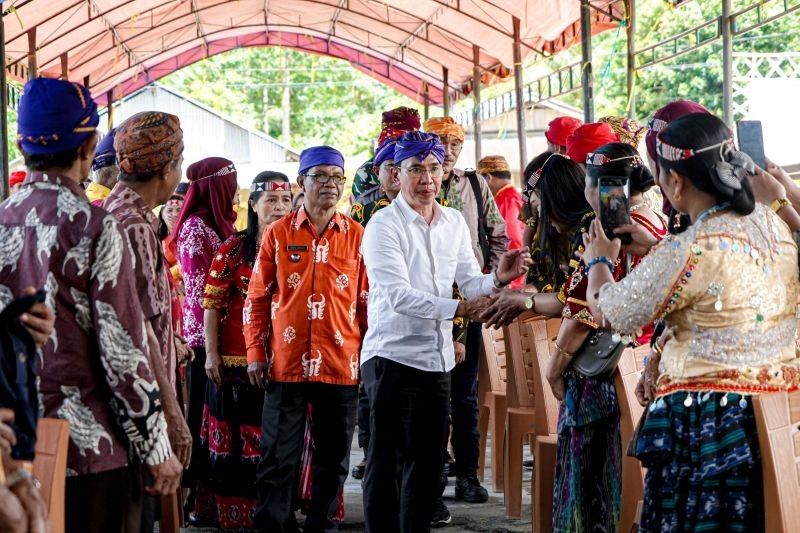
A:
629, 370
626, 377
545, 404
777, 419
519, 351
494, 350
50, 467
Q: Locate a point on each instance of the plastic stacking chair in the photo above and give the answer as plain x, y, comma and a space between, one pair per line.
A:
626, 377
519, 415
492, 398
545, 427
777, 420
50, 467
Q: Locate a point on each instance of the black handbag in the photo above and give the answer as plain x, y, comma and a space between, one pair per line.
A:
599, 354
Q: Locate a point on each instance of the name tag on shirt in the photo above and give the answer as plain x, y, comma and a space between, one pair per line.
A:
297, 248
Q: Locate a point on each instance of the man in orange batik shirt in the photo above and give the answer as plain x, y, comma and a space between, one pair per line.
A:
304, 320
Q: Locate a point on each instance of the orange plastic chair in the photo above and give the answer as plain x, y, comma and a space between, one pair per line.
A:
50, 467
492, 398
519, 415
545, 426
777, 418
626, 377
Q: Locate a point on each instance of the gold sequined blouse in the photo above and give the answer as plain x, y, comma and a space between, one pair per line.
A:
728, 287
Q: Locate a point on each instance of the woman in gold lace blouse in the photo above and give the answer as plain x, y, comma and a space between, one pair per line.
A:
728, 289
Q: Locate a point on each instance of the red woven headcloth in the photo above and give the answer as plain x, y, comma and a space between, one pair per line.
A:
589, 138
398, 121
212, 185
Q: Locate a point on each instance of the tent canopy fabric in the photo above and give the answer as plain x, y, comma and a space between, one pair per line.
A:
122, 45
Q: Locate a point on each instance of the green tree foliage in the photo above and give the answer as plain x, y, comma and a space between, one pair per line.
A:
696, 75
331, 102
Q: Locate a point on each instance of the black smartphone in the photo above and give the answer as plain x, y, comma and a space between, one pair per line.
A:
751, 140
615, 206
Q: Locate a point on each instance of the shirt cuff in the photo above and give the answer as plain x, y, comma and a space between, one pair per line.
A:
256, 355
161, 450
487, 284
448, 308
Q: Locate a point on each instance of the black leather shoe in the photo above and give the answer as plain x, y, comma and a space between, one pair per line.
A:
359, 469
441, 515
469, 489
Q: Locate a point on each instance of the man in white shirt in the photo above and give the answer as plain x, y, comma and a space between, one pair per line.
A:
414, 250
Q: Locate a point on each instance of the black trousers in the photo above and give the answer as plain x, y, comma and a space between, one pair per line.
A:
196, 380
108, 502
464, 405
363, 418
283, 424
408, 419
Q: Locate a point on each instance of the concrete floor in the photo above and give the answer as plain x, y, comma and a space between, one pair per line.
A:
488, 517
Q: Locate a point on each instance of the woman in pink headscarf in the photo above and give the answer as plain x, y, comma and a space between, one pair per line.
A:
205, 221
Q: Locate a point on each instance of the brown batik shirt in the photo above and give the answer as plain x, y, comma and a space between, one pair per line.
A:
94, 370
141, 226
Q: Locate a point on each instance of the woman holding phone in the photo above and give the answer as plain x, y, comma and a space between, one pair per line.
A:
727, 288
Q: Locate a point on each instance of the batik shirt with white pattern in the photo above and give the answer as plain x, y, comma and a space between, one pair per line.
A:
94, 370
155, 296
197, 244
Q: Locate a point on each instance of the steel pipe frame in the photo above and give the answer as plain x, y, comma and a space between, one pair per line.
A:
6, 188
587, 79
522, 134
476, 96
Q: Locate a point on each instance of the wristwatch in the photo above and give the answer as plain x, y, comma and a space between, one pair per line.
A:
779, 203
530, 303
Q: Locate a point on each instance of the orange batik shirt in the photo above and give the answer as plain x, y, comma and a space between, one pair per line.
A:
306, 308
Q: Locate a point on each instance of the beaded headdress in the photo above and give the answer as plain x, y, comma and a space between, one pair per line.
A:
598, 160
270, 186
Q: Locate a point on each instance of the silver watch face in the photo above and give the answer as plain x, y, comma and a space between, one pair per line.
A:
529, 302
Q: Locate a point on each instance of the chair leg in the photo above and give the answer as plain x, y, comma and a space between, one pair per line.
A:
170, 514
483, 427
498, 422
512, 475
544, 466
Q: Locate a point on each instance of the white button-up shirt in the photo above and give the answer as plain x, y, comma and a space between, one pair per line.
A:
411, 268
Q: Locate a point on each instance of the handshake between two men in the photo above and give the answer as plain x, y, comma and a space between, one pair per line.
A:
503, 306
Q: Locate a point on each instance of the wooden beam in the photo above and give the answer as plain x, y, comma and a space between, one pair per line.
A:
110, 114
426, 100
64, 66
33, 70
445, 92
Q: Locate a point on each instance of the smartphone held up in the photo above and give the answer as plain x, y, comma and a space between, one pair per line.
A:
751, 140
615, 206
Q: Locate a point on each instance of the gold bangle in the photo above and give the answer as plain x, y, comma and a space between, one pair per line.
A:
778, 204
562, 351
658, 349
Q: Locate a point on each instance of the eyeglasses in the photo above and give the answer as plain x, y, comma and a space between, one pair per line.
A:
322, 179
416, 172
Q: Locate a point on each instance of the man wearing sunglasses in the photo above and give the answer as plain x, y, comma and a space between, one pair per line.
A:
304, 320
